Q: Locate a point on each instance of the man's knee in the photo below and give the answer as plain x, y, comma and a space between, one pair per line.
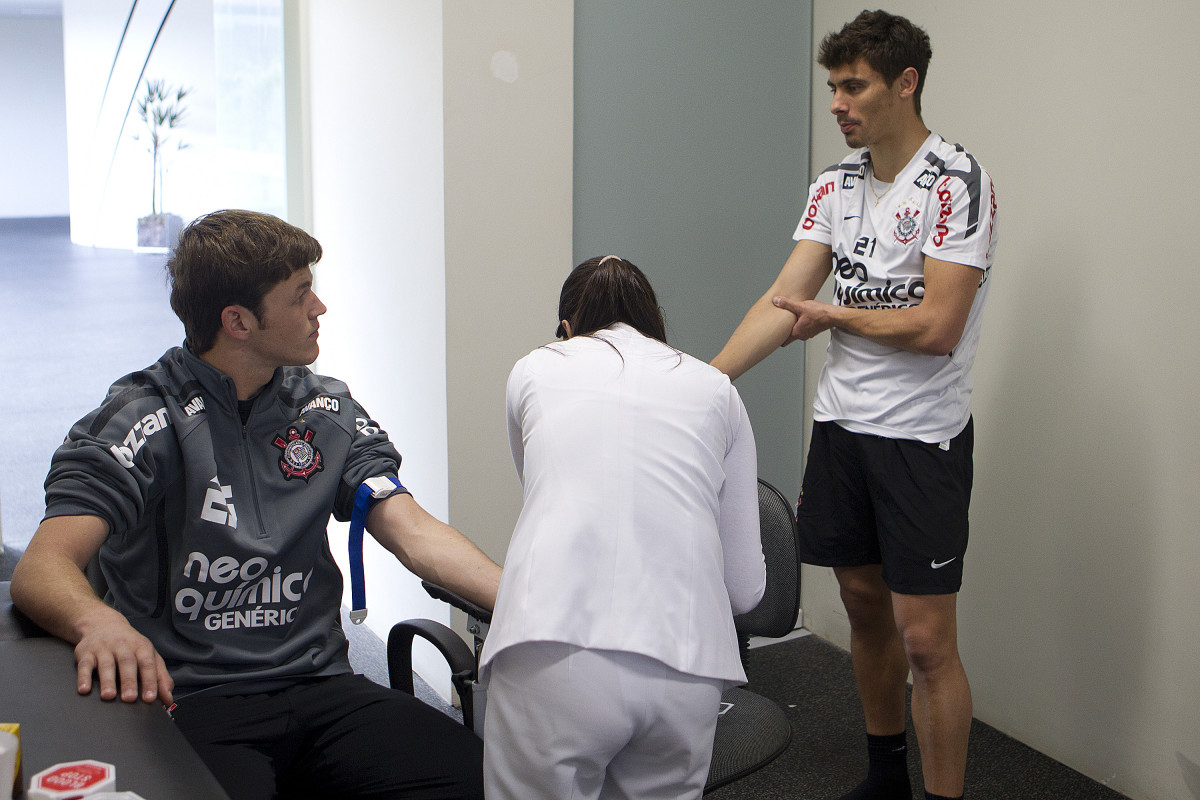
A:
929, 632
865, 595
928, 652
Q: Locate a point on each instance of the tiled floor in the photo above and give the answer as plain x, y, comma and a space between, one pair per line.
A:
72, 320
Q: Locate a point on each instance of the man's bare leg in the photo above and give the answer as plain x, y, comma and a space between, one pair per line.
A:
941, 699
881, 672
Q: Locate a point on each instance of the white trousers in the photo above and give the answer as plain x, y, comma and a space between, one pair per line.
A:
566, 723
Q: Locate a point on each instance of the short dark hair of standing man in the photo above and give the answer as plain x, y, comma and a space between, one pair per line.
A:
888, 43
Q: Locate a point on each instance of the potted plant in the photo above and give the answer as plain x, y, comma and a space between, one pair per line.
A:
162, 112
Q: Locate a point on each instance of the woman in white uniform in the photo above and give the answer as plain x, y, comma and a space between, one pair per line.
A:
612, 638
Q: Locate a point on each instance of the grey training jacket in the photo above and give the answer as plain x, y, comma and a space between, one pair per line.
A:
217, 549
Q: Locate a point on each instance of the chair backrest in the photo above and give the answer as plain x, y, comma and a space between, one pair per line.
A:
775, 615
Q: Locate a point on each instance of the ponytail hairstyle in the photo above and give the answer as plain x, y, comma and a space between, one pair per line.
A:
601, 292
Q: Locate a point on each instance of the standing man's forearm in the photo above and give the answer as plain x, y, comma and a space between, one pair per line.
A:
933, 327
762, 331
765, 327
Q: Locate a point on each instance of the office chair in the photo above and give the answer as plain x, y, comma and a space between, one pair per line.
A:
752, 731
464, 663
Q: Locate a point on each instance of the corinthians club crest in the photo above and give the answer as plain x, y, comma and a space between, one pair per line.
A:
908, 228
300, 459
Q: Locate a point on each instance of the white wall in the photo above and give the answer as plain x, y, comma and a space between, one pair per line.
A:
1078, 613
439, 142
33, 118
508, 127
691, 160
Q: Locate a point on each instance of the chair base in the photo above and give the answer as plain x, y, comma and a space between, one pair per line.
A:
752, 732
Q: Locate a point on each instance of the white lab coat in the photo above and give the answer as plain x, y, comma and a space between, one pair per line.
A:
639, 531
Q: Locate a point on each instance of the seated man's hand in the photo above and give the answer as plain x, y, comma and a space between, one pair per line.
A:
121, 658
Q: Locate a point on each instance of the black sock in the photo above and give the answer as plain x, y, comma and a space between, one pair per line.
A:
887, 773
931, 796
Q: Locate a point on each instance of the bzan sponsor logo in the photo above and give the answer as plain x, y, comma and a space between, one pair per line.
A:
926, 179
945, 209
810, 215
300, 458
324, 402
239, 585
146, 427
194, 406
218, 504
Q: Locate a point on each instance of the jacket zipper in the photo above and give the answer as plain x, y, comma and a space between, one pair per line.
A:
249, 463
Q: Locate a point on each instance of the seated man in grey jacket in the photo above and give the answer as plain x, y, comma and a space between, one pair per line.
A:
204, 484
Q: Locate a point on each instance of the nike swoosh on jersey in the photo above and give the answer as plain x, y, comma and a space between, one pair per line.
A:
935, 564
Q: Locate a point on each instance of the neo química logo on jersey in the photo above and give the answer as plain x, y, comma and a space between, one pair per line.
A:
243, 594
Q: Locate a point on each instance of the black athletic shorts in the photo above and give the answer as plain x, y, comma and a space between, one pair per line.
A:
896, 502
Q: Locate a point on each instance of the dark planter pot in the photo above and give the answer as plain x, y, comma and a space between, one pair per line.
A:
159, 230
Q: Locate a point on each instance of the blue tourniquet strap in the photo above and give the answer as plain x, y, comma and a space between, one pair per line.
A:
358, 522
366, 496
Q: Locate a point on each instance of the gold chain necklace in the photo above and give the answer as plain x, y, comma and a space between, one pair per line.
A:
871, 183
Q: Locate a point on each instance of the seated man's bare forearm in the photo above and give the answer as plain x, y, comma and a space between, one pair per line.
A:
48, 583
434, 551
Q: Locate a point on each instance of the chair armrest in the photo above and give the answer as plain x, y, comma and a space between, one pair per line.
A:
456, 652
461, 603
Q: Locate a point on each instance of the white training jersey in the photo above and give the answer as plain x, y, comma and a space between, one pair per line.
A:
941, 205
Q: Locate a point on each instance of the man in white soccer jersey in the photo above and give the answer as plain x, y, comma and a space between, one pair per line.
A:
907, 225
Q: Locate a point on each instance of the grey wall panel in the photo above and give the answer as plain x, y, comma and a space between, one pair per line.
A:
691, 160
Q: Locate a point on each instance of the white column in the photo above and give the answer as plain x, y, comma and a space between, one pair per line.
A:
375, 108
